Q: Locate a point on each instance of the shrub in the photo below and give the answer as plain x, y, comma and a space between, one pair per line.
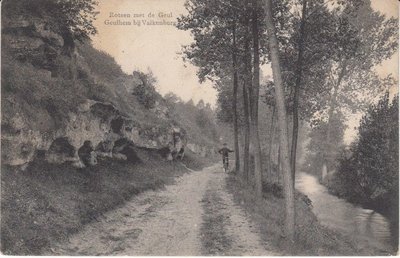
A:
146, 92
100, 63
371, 171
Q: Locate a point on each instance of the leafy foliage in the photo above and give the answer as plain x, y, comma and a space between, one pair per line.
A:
146, 92
73, 19
78, 15
360, 39
198, 120
212, 23
369, 172
100, 62
205, 121
318, 147
172, 98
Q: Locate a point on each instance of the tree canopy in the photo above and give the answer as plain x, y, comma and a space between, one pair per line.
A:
72, 18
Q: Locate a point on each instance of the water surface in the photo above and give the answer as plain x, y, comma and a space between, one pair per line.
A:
367, 227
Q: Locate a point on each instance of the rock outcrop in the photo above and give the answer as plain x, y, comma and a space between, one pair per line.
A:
32, 41
100, 123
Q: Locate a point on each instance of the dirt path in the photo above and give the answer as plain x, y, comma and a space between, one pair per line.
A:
195, 216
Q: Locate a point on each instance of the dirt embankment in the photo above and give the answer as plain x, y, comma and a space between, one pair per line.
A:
46, 202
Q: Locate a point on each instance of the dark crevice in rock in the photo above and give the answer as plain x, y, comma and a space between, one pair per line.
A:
104, 111
87, 155
40, 154
127, 147
62, 146
105, 146
164, 152
116, 124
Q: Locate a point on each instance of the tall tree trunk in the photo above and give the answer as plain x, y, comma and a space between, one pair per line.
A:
332, 106
299, 68
235, 97
282, 123
279, 165
328, 149
246, 157
270, 142
256, 92
248, 98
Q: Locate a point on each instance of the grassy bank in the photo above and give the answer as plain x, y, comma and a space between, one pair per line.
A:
311, 237
46, 202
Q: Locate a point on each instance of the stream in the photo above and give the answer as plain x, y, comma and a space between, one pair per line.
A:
367, 227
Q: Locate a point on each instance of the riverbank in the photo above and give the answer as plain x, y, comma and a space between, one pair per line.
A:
47, 202
387, 205
311, 237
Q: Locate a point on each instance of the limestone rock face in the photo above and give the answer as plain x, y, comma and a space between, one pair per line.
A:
97, 122
33, 41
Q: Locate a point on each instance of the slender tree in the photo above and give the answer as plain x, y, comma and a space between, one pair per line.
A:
295, 130
246, 151
258, 168
235, 98
282, 122
247, 98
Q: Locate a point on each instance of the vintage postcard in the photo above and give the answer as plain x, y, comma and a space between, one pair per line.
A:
199, 127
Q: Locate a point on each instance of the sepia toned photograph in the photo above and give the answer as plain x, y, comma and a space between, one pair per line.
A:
199, 128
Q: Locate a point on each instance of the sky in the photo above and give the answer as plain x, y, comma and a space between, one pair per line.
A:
151, 46
157, 47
